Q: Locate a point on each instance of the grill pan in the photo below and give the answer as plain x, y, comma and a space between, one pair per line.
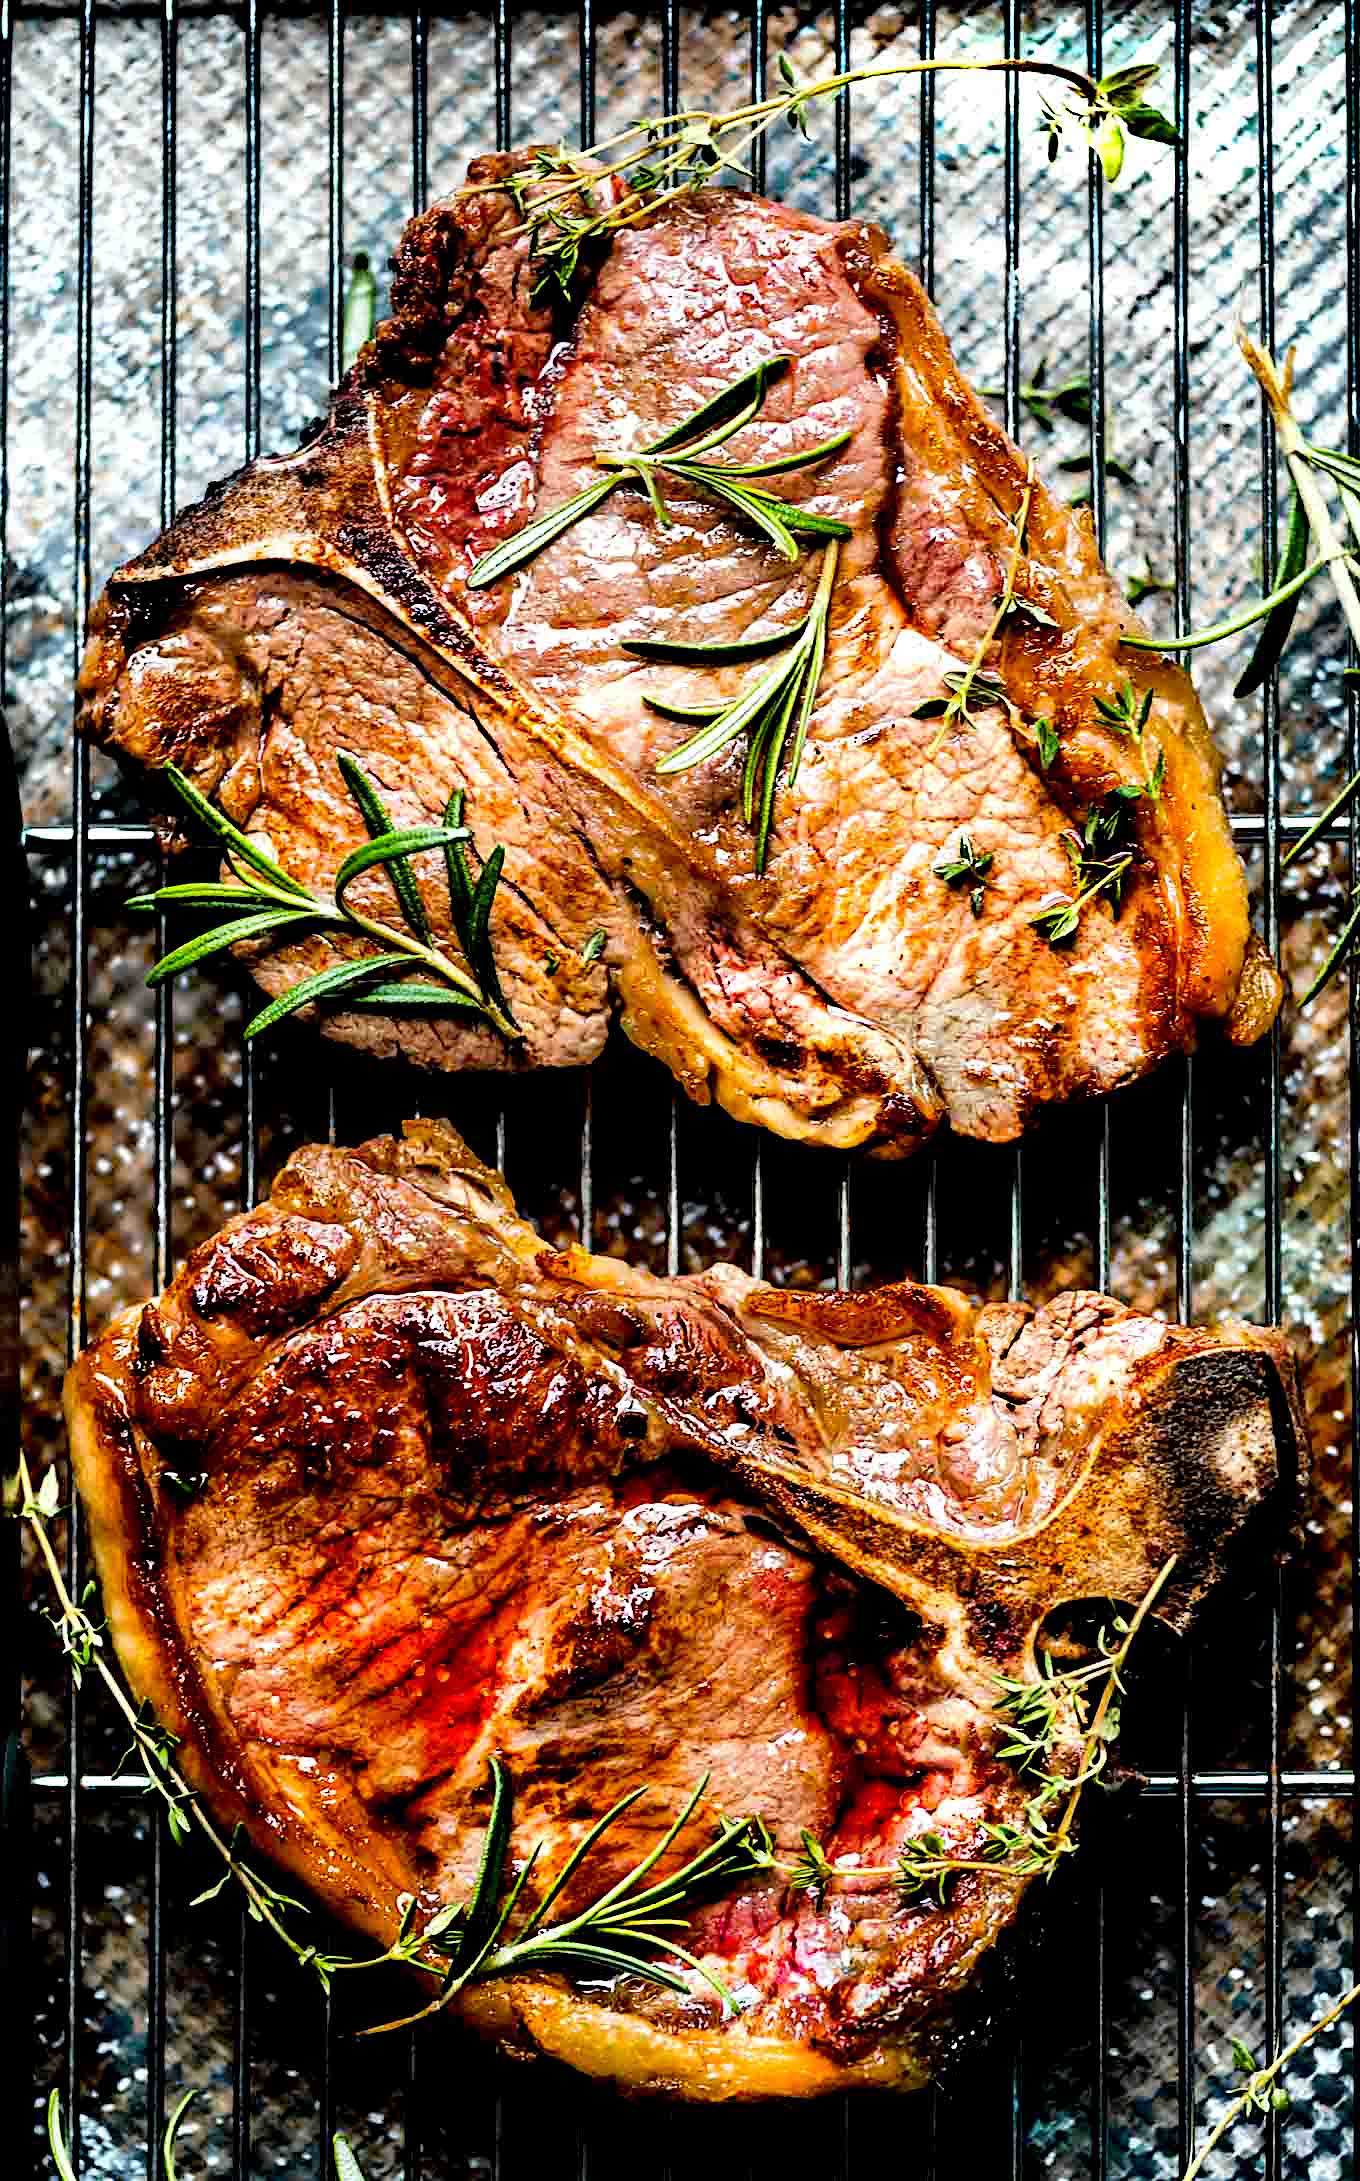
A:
182, 186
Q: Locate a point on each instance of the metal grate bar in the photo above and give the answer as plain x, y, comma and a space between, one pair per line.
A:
79, 1008
1233, 1784
1352, 14
1185, 1225
1273, 1978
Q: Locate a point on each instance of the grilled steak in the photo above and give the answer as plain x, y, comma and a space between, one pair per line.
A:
467, 1496
318, 602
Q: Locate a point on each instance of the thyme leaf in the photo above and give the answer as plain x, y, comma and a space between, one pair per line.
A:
277, 902
967, 868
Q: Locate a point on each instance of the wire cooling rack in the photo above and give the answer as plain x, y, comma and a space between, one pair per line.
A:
181, 188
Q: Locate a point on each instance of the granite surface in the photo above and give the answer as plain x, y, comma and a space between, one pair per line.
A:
471, 2117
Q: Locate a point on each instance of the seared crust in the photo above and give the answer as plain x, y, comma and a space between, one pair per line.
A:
389, 1380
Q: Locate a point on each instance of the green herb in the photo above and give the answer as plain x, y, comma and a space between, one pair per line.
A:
683, 453
1046, 401
1263, 2092
185, 1484
972, 686
1146, 586
1120, 472
626, 1931
1047, 738
594, 947
360, 312
277, 903
1078, 1703
1128, 714
347, 2167
813, 1872
1100, 856
776, 705
967, 868
570, 201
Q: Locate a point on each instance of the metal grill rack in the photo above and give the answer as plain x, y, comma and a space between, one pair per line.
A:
1221, 1812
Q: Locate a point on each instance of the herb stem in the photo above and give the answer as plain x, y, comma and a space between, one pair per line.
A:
1276, 387
162, 1773
439, 964
1095, 1730
1250, 2095
1237, 622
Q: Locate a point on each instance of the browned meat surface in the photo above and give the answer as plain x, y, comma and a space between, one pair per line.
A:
468, 1496
318, 602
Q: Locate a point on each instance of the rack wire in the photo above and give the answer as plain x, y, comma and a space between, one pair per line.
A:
502, 2136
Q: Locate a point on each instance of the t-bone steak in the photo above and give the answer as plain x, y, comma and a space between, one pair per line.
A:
318, 602
464, 1495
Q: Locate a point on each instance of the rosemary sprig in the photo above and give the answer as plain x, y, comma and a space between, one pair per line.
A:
569, 201
972, 685
361, 310
777, 704
627, 1930
1262, 2091
269, 902
967, 868
684, 453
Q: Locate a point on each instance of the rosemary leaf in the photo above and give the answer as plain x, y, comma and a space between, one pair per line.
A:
779, 465
375, 815
393, 848
1275, 629
657, 651
724, 414
413, 997
361, 310
347, 2167
323, 986
171, 2136
222, 936
56, 2139
220, 825
524, 545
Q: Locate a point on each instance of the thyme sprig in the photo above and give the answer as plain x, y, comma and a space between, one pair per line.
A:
568, 201
1128, 712
966, 867
1039, 1717
1101, 856
776, 705
152, 1745
684, 453
1262, 2091
269, 902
